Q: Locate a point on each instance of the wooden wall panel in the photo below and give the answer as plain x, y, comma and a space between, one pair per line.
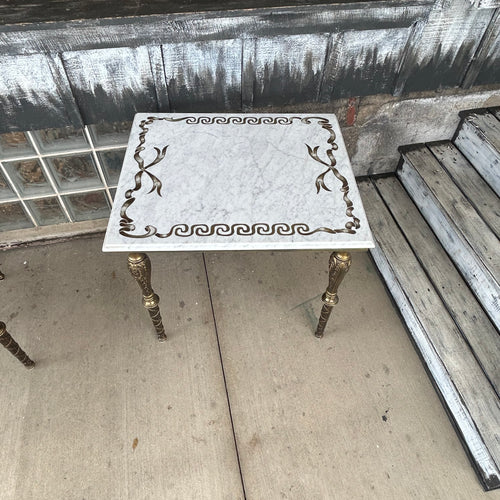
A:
489, 54
57, 37
363, 62
35, 94
440, 53
112, 84
204, 76
283, 69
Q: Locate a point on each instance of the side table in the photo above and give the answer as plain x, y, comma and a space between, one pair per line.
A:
210, 182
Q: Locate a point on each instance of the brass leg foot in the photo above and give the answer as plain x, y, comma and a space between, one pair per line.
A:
12, 346
139, 266
338, 266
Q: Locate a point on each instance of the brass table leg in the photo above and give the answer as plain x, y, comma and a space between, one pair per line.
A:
12, 346
139, 266
338, 266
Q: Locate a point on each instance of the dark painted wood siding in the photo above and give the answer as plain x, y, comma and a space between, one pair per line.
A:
87, 71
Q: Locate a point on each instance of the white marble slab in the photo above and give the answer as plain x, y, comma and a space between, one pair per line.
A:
236, 182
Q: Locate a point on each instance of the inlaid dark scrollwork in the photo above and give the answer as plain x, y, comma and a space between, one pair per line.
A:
127, 226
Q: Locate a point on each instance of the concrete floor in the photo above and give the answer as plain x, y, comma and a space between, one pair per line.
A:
110, 413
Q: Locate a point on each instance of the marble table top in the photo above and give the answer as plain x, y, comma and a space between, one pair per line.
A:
236, 182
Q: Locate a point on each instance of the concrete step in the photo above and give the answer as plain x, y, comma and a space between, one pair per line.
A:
478, 138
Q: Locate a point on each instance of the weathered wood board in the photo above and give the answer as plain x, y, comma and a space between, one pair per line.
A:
18, 11
485, 65
363, 62
30, 84
485, 4
440, 52
204, 76
465, 236
466, 392
478, 138
135, 31
111, 84
472, 185
282, 70
476, 328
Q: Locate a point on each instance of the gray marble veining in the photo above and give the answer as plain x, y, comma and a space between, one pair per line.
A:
236, 182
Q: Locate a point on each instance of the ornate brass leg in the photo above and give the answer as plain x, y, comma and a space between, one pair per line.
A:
12, 346
139, 266
338, 266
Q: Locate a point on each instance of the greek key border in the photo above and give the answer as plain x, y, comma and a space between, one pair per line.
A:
127, 225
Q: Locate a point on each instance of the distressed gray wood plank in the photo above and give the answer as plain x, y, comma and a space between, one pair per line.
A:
363, 62
18, 11
441, 52
59, 37
485, 66
470, 398
111, 84
204, 76
460, 302
283, 70
478, 138
109, 411
158, 73
465, 236
35, 94
485, 4
472, 185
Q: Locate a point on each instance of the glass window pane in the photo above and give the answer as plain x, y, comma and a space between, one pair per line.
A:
28, 177
60, 139
47, 211
74, 172
110, 133
112, 192
111, 162
86, 206
5, 190
13, 216
15, 144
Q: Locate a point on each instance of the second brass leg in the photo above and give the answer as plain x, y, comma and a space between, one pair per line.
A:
139, 266
13, 347
339, 264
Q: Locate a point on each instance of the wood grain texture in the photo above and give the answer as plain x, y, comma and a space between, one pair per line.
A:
477, 330
204, 76
472, 185
467, 394
158, 73
35, 94
363, 62
485, 65
111, 84
478, 138
283, 70
486, 4
467, 239
57, 37
19, 11
443, 48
